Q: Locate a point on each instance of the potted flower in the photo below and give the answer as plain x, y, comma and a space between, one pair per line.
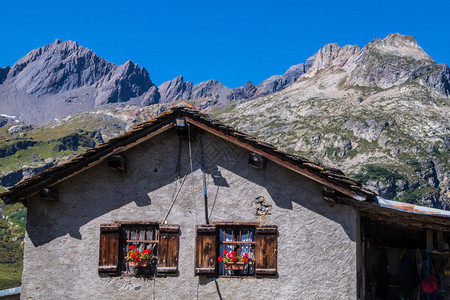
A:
138, 259
231, 261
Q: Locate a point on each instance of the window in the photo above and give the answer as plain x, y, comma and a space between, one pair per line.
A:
119, 238
258, 241
142, 238
241, 241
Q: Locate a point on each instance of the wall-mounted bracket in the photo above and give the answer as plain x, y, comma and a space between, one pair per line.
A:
117, 162
48, 194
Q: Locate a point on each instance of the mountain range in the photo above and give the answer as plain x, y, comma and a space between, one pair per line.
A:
72, 79
380, 113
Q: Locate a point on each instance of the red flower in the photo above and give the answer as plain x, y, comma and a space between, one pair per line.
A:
137, 251
220, 258
132, 247
233, 258
245, 260
233, 253
229, 255
136, 258
245, 255
225, 252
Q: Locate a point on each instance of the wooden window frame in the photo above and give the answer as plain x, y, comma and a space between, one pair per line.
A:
141, 243
207, 249
238, 228
115, 242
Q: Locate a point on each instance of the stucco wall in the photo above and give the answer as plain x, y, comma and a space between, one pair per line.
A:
316, 243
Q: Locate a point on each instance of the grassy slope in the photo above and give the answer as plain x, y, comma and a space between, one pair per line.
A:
11, 245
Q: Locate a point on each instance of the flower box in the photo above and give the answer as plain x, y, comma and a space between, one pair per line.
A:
140, 263
238, 266
138, 259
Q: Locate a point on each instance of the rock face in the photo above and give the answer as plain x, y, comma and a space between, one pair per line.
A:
12, 178
175, 90
65, 78
438, 80
388, 62
379, 113
3, 74
279, 82
247, 91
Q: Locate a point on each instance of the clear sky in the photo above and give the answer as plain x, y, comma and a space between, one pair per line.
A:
231, 41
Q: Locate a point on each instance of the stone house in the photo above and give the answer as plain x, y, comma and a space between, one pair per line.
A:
188, 187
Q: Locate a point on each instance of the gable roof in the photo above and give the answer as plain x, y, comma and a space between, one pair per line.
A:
330, 177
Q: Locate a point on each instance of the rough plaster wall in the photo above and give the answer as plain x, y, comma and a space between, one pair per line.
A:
316, 243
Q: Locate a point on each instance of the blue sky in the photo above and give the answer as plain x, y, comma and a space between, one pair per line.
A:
231, 41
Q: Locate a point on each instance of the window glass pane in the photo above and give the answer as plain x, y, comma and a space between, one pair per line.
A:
241, 241
142, 237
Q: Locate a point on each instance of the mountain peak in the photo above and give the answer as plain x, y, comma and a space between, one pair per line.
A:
332, 54
400, 39
399, 45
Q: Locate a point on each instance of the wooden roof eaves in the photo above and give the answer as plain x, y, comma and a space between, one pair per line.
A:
244, 143
84, 161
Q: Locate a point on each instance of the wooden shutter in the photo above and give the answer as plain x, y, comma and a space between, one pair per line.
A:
168, 246
108, 260
205, 250
266, 250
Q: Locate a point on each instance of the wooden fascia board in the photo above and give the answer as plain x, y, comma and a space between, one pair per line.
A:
405, 219
34, 189
277, 160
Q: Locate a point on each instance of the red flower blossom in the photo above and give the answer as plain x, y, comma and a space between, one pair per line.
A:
245, 260
137, 251
220, 258
225, 252
132, 247
233, 258
233, 253
245, 255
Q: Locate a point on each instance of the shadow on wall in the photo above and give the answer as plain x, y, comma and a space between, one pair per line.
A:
155, 164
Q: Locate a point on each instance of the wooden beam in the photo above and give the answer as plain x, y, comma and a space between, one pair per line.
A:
429, 240
440, 240
286, 164
404, 220
34, 189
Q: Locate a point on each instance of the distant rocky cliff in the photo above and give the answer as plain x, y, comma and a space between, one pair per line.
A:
64, 78
380, 113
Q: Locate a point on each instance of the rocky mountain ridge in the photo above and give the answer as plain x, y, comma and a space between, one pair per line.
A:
379, 113
63, 78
